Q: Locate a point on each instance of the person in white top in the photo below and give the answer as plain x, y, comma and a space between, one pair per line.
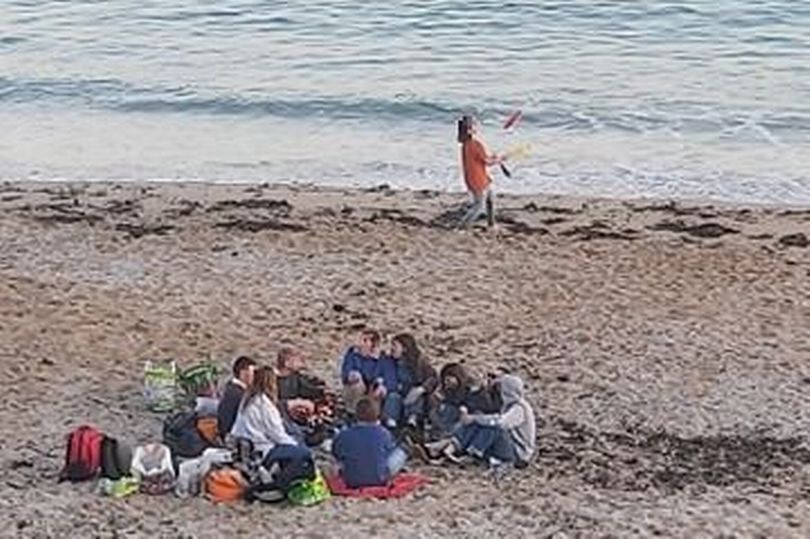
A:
259, 421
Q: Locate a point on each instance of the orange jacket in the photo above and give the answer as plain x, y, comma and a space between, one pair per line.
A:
474, 162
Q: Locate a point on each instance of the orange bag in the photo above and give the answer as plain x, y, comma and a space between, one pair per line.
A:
208, 429
225, 485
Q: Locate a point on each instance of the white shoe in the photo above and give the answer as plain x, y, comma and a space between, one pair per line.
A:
265, 475
498, 469
450, 454
434, 449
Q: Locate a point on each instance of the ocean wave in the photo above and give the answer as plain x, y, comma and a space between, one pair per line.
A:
546, 113
328, 108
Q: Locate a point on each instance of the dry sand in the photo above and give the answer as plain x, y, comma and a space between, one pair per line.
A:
666, 347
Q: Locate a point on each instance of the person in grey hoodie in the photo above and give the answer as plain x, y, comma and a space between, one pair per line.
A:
506, 437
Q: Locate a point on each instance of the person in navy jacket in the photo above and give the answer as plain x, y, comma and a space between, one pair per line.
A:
417, 380
364, 372
366, 452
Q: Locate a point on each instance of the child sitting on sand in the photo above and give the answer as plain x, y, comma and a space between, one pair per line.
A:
416, 382
506, 437
457, 390
366, 452
363, 372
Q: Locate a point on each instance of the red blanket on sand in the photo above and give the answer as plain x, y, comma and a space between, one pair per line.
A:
402, 484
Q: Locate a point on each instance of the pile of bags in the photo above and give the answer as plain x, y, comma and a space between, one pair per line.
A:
165, 388
191, 460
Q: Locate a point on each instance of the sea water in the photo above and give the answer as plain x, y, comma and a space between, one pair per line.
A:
692, 99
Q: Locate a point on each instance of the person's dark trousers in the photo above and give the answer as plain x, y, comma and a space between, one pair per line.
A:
295, 462
445, 419
484, 442
392, 409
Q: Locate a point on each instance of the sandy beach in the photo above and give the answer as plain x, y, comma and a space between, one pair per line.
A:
666, 347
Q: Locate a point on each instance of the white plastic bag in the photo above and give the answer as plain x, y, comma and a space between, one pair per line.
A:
152, 466
193, 471
206, 406
188, 478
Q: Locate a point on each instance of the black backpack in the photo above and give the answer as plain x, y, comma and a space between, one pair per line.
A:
181, 436
116, 458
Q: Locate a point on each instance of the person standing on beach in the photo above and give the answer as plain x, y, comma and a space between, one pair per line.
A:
475, 158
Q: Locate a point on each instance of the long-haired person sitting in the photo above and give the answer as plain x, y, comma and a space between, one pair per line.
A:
259, 421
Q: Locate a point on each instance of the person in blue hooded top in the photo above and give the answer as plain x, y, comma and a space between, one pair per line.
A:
366, 452
364, 372
408, 405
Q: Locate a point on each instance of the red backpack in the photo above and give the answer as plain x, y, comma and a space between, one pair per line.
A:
83, 458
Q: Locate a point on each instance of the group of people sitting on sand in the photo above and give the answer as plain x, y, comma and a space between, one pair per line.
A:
396, 406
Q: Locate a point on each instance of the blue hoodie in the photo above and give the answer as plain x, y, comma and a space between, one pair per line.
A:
405, 378
370, 368
387, 370
362, 451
